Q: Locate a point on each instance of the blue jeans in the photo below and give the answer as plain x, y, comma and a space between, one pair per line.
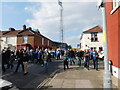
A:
46, 66
79, 60
95, 63
71, 60
86, 64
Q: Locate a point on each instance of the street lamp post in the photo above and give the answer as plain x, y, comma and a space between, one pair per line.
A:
107, 75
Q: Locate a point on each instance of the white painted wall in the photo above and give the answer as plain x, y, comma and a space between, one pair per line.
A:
12, 40
86, 40
116, 71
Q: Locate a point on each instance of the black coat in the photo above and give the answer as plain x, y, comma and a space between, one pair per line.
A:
4, 58
8, 53
71, 54
20, 57
79, 54
25, 57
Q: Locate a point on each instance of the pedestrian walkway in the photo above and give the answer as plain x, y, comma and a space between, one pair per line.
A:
77, 78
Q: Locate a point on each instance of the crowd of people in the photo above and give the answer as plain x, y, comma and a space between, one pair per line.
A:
79, 55
23, 57
43, 57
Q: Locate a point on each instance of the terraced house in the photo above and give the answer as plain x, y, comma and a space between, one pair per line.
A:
25, 38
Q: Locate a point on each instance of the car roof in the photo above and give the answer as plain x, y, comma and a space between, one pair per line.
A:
4, 83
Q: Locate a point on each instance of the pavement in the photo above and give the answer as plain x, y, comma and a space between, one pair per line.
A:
79, 77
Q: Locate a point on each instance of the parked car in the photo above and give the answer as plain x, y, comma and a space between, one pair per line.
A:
101, 55
6, 85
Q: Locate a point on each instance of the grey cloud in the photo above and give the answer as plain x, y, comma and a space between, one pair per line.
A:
76, 17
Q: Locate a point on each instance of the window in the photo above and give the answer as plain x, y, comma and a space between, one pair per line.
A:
42, 41
116, 4
48, 42
25, 39
8, 40
94, 37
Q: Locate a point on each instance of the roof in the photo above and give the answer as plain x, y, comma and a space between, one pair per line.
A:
58, 42
21, 32
10, 32
94, 29
25, 32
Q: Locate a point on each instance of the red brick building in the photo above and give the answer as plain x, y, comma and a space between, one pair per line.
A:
113, 29
27, 38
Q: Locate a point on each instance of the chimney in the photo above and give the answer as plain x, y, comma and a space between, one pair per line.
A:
37, 30
11, 29
24, 27
29, 28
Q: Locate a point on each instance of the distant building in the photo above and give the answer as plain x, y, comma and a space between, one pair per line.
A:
92, 38
113, 30
26, 38
56, 45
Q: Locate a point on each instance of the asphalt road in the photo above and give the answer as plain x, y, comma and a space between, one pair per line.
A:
35, 76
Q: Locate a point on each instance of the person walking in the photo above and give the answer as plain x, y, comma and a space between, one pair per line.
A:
91, 53
39, 57
19, 56
79, 57
36, 54
71, 56
58, 54
45, 59
31, 53
8, 53
3, 60
95, 59
65, 60
12, 59
87, 58
25, 61
49, 56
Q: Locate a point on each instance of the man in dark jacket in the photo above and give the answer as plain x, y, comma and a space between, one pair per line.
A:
71, 56
20, 60
79, 55
3, 60
8, 53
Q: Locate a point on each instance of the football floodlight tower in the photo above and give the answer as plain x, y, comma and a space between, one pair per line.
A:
61, 23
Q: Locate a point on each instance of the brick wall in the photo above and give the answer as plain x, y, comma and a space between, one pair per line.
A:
19, 40
31, 40
113, 28
37, 41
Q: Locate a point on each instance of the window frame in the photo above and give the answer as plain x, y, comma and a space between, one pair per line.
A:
48, 43
6, 40
25, 37
93, 37
42, 41
116, 5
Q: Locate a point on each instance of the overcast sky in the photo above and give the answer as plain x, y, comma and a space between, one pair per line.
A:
45, 16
